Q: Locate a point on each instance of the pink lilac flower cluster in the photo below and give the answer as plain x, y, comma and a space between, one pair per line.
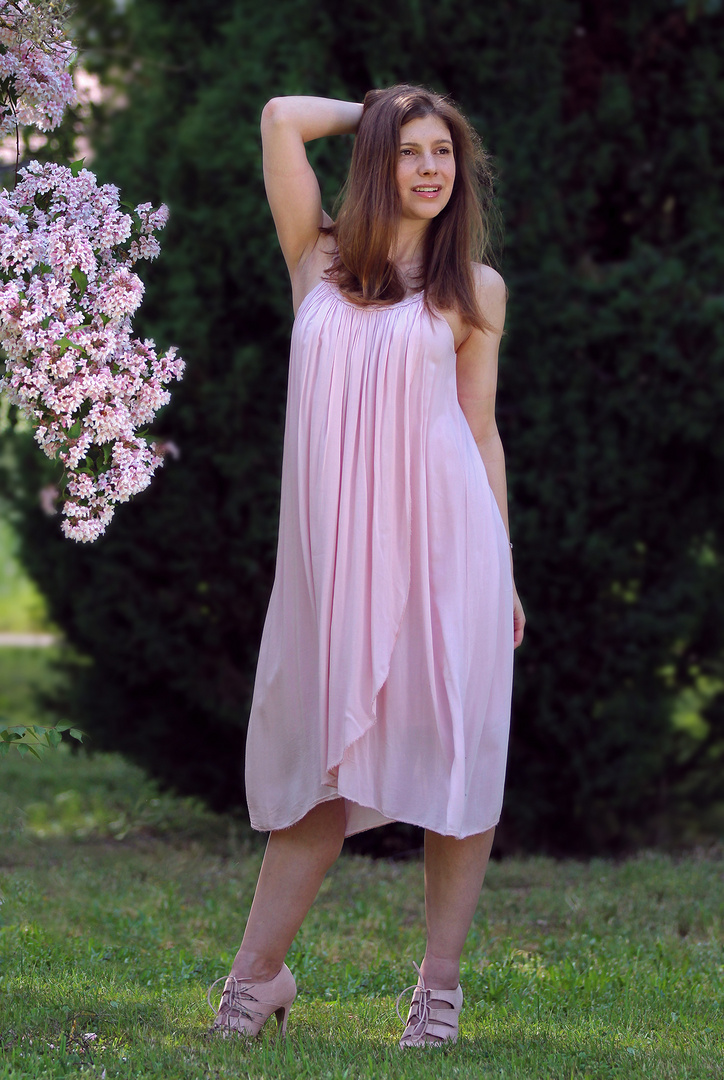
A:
67, 293
35, 82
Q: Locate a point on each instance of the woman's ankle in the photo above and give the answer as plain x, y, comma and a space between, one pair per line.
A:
440, 974
257, 968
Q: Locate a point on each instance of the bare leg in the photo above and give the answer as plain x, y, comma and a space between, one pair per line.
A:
454, 872
294, 866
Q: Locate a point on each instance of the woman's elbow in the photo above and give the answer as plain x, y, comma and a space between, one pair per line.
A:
487, 437
273, 112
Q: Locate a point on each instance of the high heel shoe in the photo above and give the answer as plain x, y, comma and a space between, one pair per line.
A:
427, 1025
246, 1005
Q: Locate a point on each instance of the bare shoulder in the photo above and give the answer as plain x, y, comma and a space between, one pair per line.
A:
487, 277
492, 294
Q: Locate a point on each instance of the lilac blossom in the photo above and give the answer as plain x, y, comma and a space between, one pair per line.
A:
68, 291
34, 61
67, 294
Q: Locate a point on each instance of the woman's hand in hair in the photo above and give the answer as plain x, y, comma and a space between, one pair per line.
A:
287, 123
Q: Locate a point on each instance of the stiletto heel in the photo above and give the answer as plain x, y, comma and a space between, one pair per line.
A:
428, 1026
282, 1016
246, 1005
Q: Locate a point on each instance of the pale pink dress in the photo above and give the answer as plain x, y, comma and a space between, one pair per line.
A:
385, 668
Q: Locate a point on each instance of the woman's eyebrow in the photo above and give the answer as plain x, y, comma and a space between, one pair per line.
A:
435, 142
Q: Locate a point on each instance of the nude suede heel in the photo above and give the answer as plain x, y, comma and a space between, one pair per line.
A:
246, 1005
428, 1026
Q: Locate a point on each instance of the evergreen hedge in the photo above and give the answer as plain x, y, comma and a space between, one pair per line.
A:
607, 124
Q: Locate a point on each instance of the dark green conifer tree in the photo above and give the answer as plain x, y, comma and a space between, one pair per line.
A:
605, 121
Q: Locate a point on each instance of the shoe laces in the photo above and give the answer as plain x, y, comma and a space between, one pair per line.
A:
421, 1005
238, 997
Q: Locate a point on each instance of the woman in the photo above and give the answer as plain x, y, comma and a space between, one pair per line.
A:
383, 685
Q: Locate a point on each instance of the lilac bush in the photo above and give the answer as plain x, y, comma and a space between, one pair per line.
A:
35, 55
67, 294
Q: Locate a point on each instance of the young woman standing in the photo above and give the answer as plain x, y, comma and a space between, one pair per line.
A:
383, 686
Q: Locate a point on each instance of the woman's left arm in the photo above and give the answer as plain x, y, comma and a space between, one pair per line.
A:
477, 379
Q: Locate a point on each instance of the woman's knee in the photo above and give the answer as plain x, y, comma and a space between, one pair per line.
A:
321, 831
333, 819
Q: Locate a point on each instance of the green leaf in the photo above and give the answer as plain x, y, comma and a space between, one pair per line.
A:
80, 278
65, 343
76, 166
76, 733
53, 737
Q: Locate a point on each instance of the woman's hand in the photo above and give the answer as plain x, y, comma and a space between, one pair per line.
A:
518, 619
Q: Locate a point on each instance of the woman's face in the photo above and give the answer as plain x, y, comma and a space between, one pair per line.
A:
425, 168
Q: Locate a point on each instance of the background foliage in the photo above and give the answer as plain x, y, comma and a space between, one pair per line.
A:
607, 124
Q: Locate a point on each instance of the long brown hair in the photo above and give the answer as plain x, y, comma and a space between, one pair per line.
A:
366, 228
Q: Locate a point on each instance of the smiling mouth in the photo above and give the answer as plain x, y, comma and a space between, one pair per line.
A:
427, 189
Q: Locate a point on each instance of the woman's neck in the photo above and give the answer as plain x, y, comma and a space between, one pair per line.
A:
407, 251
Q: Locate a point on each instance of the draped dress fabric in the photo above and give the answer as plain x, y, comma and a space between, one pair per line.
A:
385, 667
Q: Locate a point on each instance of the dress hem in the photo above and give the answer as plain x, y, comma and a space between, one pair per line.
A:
387, 821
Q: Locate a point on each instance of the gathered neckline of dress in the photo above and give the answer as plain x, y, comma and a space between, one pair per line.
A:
333, 291
337, 293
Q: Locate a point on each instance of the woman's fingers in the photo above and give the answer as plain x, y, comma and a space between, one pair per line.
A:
518, 621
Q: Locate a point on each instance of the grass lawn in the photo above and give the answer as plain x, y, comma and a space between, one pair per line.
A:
27, 678
22, 608
120, 906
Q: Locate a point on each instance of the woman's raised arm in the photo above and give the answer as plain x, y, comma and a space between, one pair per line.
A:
287, 123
